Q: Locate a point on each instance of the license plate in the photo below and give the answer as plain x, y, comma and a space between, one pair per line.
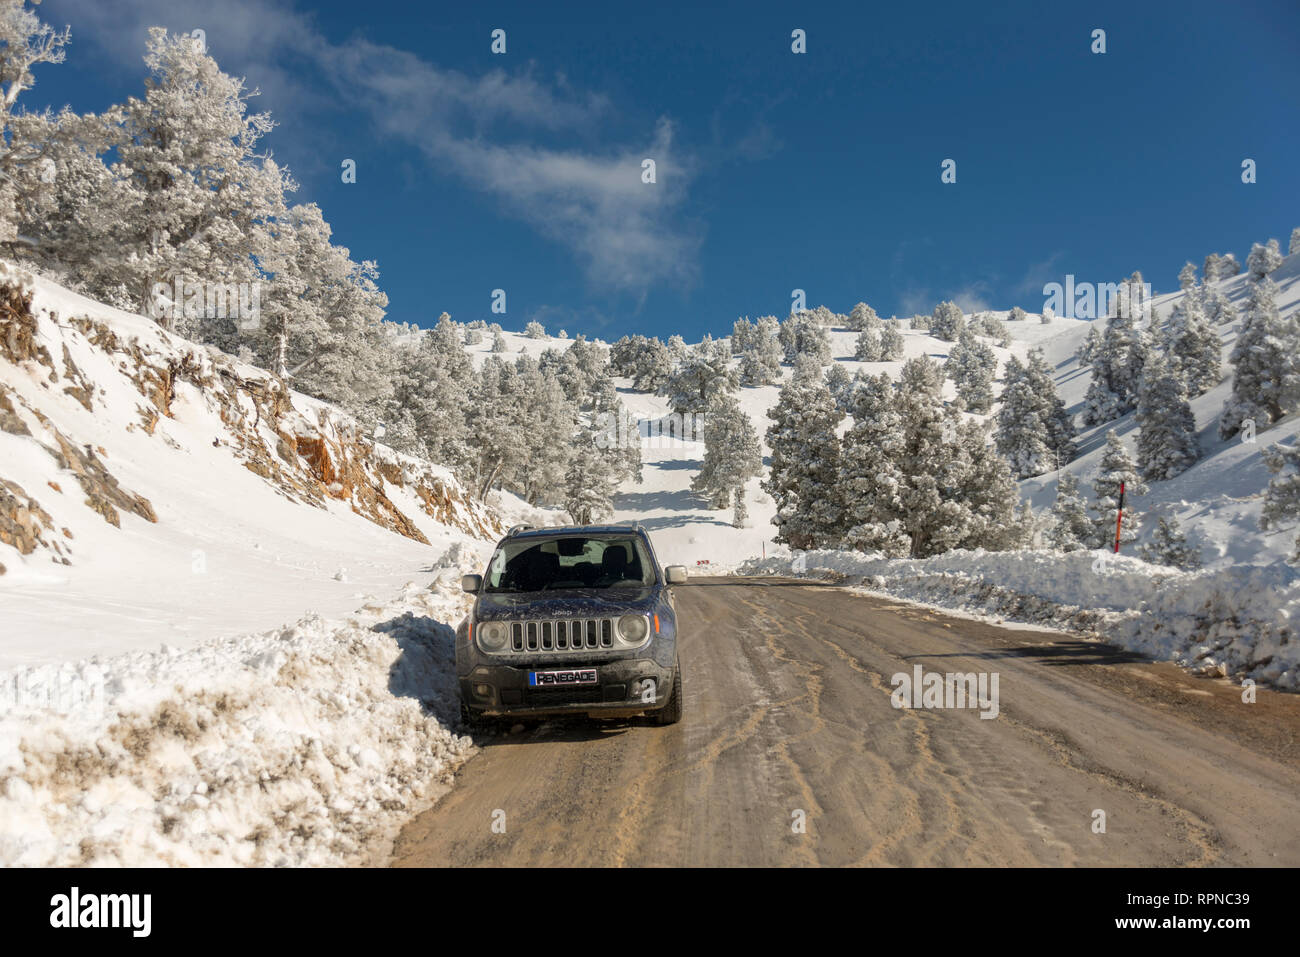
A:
560, 679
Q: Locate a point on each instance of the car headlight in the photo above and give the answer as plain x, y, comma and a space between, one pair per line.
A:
492, 635
633, 629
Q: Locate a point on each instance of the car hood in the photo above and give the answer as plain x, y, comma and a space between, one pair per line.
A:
566, 603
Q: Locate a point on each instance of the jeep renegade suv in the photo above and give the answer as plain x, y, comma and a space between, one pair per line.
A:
571, 620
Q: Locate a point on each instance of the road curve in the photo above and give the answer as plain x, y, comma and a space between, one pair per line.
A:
791, 753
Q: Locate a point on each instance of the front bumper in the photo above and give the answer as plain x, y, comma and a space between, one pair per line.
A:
492, 689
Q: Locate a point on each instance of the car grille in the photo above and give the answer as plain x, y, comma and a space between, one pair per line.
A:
584, 694
561, 635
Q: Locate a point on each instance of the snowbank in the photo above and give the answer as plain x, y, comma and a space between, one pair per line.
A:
307, 745
1234, 621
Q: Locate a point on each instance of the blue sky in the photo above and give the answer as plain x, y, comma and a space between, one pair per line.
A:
775, 171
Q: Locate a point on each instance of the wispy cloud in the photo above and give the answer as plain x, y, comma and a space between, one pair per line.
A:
496, 132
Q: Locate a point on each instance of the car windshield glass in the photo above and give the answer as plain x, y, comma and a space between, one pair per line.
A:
573, 561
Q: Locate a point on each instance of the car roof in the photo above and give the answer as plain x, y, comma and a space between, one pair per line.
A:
555, 531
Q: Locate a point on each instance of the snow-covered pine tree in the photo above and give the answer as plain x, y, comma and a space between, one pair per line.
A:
1116, 466
1021, 436
589, 483
1210, 270
742, 335
1228, 266
194, 200
704, 372
535, 330
867, 346
1263, 259
1116, 369
1016, 315
994, 518
1266, 380
1168, 546
869, 482
861, 317
498, 343
840, 383
1282, 500
1167, 444
803, 334
1218, 309
25, 42
1187, 277
1051, 410
972, 366
804, 469
1090, 346
1193, 345
929, 462
732, 455
1072, 528
947, 321
891, 341
760, 363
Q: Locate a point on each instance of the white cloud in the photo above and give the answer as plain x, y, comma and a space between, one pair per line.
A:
497, 132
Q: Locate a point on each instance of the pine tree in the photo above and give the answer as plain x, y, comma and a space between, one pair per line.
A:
1187, 277
1266, 381
862, 317
867, 346
1193, 346
1016, 315
1210, 270
1090, 346
972, 367
1021, 436
742, 335
947, 322
804, 469
1072, 529
1282, 500
891, 342
1169, 546
1051, 410
1116, 467
760, 363
589, 484
25, 42
840, 384
193, 198
929, 462
732, 454
869, 482
1294, 246
700, 375
1116, 369
1263, 259
1167, 444
498, 343
535, 330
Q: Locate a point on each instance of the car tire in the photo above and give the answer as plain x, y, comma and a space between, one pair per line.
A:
470, 720
671, 713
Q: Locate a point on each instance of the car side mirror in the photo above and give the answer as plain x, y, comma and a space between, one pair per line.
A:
675, 574
471, 583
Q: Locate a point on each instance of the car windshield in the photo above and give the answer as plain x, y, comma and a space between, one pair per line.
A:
573, 561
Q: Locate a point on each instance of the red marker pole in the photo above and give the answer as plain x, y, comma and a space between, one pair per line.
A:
1119, 517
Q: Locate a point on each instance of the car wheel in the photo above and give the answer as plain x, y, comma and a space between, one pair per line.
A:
671, 713
470, 720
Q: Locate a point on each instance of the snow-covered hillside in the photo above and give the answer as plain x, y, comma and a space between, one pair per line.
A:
157, 491
225, 614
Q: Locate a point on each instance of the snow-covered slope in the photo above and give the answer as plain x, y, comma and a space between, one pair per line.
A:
218, 644
152, 490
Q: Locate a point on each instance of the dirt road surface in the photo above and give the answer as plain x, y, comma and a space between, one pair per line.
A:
791, 753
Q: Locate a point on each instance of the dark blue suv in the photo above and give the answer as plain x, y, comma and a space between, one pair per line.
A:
571, 620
